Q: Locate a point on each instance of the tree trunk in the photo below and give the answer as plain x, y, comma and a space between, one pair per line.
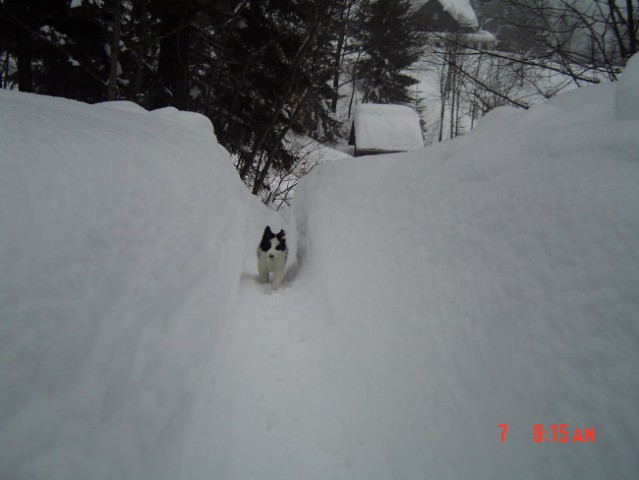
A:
141, 48
24, 58
632, 29
443, 90
5, 70
343, 18
353, 89
173, 60
112, 92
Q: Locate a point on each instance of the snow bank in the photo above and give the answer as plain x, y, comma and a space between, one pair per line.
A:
488, 280
122, 242
386, 128
627, 91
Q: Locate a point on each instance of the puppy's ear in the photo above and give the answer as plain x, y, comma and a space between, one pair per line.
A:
267, 232
281, 234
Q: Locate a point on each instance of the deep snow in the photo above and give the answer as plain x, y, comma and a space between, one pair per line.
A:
120, 258
491, 279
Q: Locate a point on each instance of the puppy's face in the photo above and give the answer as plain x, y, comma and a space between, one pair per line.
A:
273, 244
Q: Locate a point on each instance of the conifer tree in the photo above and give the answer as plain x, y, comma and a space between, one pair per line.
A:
269, 77
391, 42
58, 50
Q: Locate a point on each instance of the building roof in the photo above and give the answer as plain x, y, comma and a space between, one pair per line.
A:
386, 128
460, 10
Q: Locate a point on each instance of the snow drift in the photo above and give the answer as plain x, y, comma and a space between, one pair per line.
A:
627, 92
488, 280
121, 251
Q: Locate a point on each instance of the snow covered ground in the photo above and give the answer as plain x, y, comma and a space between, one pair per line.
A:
489, 280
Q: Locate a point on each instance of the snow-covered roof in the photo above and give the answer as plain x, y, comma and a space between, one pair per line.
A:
460, 10
387, 128
480, 39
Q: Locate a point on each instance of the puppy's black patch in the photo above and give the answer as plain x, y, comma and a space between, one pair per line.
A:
265, 244
282, 241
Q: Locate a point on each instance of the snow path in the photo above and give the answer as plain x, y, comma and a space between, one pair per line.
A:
274, 387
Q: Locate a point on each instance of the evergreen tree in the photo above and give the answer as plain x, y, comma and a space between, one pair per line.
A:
259, 69
391, 42
58, 50
267, 75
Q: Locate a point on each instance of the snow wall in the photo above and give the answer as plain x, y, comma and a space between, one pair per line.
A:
489, 280
122, 239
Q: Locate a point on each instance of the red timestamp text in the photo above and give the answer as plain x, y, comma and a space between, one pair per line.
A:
556, 433
562, 433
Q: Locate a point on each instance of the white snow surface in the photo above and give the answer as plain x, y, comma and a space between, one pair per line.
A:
387, 127
432, 296
120, 252
627, 92
462, 11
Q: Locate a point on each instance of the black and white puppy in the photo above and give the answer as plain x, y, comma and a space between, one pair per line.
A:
271, 258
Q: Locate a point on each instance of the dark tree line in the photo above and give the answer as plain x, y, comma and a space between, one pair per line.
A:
259, 69
56, 51
263, 69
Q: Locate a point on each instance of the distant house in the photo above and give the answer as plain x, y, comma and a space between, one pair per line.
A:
445, 18
385, 129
